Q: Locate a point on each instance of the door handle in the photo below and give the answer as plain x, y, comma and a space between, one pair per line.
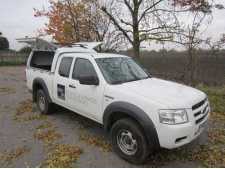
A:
72, 86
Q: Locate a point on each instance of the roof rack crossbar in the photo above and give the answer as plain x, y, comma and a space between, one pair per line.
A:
79, 45
41, 44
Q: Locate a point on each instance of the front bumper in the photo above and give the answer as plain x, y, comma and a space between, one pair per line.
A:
173, 136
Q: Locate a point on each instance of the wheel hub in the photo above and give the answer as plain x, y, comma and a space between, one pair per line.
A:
41, 102
126, 142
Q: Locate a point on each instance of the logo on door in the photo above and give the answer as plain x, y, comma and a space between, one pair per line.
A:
61, 91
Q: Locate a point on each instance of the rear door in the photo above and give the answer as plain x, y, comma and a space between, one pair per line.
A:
61, 81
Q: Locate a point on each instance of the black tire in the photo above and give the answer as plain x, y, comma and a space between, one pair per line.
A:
46, 107
141, 152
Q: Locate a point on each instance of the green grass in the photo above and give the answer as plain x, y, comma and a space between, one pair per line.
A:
12, 63
216, 97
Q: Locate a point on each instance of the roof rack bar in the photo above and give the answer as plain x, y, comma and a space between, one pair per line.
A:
79, 45
41, 44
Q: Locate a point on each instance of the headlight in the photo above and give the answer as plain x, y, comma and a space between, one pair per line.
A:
178, 116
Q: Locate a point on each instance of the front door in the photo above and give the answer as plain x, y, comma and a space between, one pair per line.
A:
86, 99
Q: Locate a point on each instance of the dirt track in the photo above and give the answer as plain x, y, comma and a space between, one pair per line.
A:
21, 146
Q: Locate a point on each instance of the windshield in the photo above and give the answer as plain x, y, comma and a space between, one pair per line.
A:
120, 70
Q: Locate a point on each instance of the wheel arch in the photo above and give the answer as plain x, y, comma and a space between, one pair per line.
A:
124, 109
39, 83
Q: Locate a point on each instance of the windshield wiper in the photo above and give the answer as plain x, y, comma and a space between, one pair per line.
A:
132, 80
117, 82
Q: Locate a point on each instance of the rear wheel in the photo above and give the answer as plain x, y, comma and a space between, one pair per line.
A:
43, 104
129, 141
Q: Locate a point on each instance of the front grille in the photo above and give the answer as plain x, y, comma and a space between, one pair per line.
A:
202, 118
200, 111
196, 106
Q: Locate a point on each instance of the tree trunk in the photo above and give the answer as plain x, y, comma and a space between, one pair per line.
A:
190, 68
194, 68
136, 49
136, 38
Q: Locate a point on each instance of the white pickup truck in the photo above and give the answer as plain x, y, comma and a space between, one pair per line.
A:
141, 112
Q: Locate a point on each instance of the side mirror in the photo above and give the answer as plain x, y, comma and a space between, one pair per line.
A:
88, 80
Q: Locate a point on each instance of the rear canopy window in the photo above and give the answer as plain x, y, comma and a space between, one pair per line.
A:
64, 68
42, 59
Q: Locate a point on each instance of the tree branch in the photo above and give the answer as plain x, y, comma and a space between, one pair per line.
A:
157, 28
129, 7
117, 24
126, 23
147, 9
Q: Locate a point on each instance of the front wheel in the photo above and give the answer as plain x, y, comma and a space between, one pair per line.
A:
128, 141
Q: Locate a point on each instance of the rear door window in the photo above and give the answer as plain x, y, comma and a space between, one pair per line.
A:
65, 65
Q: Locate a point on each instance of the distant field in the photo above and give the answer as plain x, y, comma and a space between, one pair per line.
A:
210, 69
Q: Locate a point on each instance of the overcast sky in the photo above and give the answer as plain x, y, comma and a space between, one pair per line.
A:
17, 20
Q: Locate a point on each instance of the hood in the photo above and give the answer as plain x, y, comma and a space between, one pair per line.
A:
170, 94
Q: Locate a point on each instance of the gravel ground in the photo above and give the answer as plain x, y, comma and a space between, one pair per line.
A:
20, 148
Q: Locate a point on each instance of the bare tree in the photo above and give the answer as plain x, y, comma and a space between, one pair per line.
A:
142, 20
191, 39
149, 20
191, 35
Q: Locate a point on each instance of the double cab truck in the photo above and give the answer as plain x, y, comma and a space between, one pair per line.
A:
142, 113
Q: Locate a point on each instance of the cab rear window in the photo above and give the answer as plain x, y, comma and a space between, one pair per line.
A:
64, 68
